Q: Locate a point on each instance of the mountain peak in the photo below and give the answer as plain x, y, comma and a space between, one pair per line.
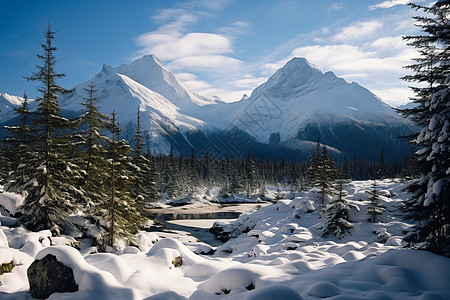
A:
297, 77
145, 62
301, 64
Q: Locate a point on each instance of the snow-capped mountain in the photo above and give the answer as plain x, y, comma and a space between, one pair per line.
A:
299, 104
146, 85
7, 105
283, 117
299, 94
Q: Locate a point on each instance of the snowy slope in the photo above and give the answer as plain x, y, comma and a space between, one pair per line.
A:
277, 253
7, 105
294, 107
150, 72
127, 88
299, 94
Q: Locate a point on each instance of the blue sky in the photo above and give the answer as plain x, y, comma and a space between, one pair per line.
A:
224, 48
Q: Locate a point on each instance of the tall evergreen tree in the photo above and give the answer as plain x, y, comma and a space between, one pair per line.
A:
144, 186
322, 172
251, 183
19, 139
430, 201
169, 181
236, 180
314, 165
375, 208
336, 213
4, 163
51, 194
93, 138
381, 166
91, 155
122, 216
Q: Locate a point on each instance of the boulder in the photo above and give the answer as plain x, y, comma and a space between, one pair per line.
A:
48, 276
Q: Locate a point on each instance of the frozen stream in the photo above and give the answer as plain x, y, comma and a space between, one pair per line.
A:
196, 220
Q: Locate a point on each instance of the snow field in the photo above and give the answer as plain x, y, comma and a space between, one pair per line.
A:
277, 253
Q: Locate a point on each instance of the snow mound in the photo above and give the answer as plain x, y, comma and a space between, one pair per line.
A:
88, 277
168, 249
11, 202
274, 292
274, 255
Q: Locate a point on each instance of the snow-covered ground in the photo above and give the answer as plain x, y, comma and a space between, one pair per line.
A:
277, 253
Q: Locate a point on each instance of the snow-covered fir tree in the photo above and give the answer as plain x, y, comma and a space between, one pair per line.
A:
50, 193
93, 155
430, 201
144, 186
336, 213
314, 165
322, 172
169, 181
236, 179
18, 141
122, 216
381, 166
251, 183
93, 138
4, 163
375, 208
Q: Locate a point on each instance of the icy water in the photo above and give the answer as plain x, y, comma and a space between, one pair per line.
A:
196, 221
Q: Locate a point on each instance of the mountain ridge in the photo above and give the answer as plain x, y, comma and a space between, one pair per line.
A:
297, 102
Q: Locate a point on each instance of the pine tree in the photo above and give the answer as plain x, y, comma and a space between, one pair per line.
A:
336, 213
144, 187
93, 139
4, 163
430, 201
122, 215
375, 208
236, 180
314, 166
322, 172
170, 184
51, 194
381, 166
91, 156
251, 183
411, 169
19, 139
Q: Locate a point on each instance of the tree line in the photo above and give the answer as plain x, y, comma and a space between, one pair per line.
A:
80, 175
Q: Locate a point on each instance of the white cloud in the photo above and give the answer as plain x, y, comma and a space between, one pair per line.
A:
248, 81
227, 95
235, 29
186, 76
389, 43
202, 60
395, 96
370, 52
270, 68
358, 31
197, 85
369, 68
210, 63
389, 4
335, 6
174, 46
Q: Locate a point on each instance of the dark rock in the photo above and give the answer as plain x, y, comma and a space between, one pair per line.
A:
48, 276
